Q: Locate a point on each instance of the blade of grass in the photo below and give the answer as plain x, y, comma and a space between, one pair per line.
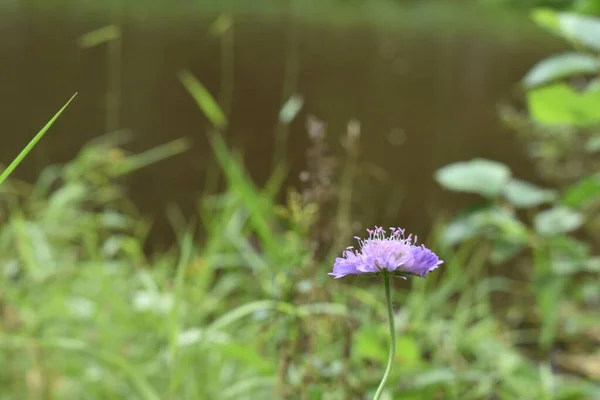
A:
99, 36
275, 182
259, 207
32, 143
203, 98
187, 247
152, 156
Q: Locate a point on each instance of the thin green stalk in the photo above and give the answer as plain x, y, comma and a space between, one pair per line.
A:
174, 322
388, 368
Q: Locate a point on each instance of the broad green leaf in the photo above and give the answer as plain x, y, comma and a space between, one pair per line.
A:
203, 98
560, 104
484, 177
561, 66
460, 230
523, 194
497, 222
582, 192
509, 227
582, 29
578, 28
547, 19
557, 221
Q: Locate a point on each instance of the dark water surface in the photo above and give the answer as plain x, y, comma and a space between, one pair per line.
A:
424, 89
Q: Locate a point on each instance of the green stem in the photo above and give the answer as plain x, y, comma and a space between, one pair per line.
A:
388, 368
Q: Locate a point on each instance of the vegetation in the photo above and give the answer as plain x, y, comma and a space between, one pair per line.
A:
242, 307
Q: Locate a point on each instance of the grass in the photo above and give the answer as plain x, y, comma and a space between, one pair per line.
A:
241, 306
85, 314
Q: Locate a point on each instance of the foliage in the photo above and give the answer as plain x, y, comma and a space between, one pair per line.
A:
85, 314
550, 233
241, 307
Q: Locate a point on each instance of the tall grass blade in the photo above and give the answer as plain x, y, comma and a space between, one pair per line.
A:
99, 36
187, 247
32, 143
204, 99
152, 156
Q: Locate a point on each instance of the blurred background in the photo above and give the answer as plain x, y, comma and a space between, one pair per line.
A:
171, 234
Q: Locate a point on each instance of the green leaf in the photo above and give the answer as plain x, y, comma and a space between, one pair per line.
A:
582, 29
523, 194
557, 220
484, 177
559, 67
502, 251
560, 104
567, 255
203, 98
509, 227
459, 230
584, 191
547, 19
493, 222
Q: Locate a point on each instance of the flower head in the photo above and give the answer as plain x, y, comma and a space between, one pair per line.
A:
395, 253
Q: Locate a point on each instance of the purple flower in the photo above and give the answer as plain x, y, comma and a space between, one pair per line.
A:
395, 253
